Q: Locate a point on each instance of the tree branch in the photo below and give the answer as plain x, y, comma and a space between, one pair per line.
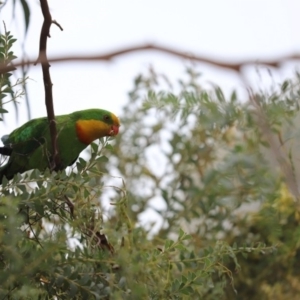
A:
45, 33
237, 67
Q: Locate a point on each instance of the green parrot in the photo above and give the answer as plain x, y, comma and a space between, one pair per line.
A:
29, 146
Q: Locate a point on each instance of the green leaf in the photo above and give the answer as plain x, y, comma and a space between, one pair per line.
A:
26, 12
168, 244
109, 147
73, 290
186, 237
284, 85
94, 147
233, 96
86, 193
3, 111
4, 182
187, 290
102, 159
181, 247
181, 234
219, 94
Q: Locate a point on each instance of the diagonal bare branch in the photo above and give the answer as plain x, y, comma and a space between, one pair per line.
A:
237, 67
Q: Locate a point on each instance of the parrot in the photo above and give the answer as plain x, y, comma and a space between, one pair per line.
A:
29, 146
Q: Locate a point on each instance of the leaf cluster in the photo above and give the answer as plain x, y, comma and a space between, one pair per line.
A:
7, 87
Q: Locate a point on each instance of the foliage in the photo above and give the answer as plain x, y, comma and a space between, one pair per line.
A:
26, 12
207, 168
48, 251
230, 227
16, 89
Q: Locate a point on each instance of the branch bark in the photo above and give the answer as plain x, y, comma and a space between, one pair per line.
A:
43, 59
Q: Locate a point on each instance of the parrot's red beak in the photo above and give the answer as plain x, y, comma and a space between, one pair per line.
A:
114, 130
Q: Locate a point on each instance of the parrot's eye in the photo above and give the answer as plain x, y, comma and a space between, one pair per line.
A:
106, 117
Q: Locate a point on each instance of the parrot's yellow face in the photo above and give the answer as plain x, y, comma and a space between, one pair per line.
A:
90, 130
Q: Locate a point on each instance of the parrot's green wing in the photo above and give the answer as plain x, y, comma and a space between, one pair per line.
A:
26, 138
28, 147
20, 145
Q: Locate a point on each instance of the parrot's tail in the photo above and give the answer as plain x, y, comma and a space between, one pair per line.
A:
3, 172
5, 151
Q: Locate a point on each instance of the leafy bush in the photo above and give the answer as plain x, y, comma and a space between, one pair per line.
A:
219, 174
226, 207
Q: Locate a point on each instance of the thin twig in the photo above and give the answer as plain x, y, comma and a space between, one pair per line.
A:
45, 33
57, 24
